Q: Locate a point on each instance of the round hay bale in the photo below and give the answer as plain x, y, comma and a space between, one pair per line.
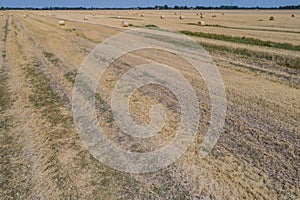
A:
86, 18
223, 13
24, 16
202, 16
181, 18
176, 13
142, 15
293, 15
162, 17
1, 14
201, 23
197, 13
214, 16
272, 18
11, 14
61, 22
119, 17
125, 24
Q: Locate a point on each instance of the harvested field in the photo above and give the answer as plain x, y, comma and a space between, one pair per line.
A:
256, 157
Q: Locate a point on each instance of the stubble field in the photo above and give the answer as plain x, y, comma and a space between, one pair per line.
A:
256, 157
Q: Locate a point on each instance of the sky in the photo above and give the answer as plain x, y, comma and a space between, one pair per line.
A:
144, 3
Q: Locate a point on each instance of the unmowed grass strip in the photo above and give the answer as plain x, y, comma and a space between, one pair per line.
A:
150, 26
43, 97
243, 40
5, 99
127, 18
48, 103
6, 30
8, 145
282, 60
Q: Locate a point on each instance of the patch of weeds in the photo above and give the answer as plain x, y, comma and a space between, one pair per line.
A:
51, 57
4, 53
85, 37
70, 29
136, 26
136, 148
6, 29
71, 76
105, 182
150, 26
243, 40
5, 124
209, 25
127, 18
48, 55
205, 149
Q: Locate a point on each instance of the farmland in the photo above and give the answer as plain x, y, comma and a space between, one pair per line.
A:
256, 157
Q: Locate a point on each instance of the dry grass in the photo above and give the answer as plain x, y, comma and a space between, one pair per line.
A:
256, 157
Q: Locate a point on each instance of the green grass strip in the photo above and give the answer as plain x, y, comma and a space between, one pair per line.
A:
243, 40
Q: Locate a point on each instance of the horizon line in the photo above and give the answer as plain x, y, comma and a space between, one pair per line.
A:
156, 7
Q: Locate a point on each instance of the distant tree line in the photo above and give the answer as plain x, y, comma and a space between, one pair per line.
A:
164, 7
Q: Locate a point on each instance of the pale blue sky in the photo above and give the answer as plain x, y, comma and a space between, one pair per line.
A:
135, 3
